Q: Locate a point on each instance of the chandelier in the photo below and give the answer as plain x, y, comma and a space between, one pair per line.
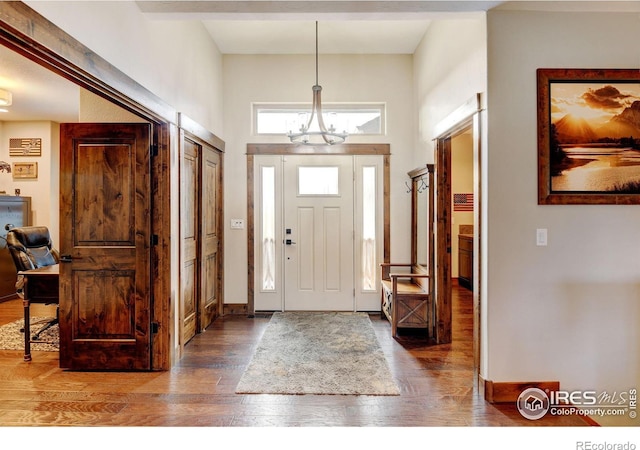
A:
328, 135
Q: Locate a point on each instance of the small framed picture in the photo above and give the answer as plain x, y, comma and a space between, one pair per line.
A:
25, 170
25, 147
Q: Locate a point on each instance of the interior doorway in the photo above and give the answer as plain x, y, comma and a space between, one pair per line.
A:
462, 220
63, 56
465, 119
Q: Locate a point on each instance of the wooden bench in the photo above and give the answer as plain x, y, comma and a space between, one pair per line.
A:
406, 297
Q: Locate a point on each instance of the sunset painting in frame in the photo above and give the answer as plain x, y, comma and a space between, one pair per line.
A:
589, 136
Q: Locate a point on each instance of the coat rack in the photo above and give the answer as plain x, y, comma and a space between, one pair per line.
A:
421, 185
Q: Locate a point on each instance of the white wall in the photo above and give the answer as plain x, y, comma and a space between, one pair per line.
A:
95, 109
288, 78
569, 311
450, 67
176, 60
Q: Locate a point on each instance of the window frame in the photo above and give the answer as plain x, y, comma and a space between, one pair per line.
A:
256, 107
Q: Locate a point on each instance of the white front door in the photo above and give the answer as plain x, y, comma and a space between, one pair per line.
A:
334, 226
318, 233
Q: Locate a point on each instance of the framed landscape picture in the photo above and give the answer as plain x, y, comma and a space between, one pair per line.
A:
588, 136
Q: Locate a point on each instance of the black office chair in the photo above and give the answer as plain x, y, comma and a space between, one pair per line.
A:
30, 248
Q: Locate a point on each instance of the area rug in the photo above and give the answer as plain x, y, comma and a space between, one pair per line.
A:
11, 338
318, 353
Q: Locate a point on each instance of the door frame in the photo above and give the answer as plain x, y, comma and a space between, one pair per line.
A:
464, 117
31, 35
253, 150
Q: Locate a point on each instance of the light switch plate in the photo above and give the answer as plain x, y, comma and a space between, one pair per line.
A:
541, 237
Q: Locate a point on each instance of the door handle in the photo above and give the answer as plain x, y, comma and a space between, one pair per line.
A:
289, 242
66, 258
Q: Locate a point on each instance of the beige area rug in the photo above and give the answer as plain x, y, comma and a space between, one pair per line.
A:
318, 353
11, 338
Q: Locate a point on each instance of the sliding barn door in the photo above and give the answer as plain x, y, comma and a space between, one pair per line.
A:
105, 240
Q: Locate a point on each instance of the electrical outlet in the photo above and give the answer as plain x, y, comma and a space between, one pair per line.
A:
237, 224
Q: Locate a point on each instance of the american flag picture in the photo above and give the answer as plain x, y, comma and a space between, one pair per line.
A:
25, 147
463, 202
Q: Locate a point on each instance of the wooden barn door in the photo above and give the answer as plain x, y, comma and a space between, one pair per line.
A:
105, 239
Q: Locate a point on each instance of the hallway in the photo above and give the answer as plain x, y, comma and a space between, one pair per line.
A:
436, 385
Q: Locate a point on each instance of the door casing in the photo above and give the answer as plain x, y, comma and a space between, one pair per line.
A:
254, 150
466, 116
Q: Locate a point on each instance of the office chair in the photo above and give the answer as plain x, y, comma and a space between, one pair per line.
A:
30, 248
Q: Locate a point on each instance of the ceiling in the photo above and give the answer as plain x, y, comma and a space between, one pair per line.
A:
287, 27
298, 37
38, 93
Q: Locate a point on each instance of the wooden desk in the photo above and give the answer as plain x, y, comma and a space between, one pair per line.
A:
41, 285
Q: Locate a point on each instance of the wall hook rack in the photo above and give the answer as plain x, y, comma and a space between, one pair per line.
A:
422, 186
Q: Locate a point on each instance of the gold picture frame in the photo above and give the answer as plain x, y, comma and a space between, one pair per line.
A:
25, 170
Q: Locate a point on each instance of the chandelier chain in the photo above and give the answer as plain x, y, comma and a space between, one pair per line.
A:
329, 136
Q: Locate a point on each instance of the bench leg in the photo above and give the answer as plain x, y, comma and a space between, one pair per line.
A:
394, 315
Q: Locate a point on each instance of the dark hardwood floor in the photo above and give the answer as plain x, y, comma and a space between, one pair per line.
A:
436, 381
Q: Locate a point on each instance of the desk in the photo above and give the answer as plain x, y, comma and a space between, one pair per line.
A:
41, 285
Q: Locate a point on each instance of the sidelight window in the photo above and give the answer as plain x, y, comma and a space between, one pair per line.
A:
268, 228
369, 228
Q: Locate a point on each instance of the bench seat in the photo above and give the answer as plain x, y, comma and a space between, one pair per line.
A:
406, 301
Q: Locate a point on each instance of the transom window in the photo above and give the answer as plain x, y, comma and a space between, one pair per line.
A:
354, 119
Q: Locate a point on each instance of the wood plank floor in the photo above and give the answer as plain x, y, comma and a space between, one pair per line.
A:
437, 387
